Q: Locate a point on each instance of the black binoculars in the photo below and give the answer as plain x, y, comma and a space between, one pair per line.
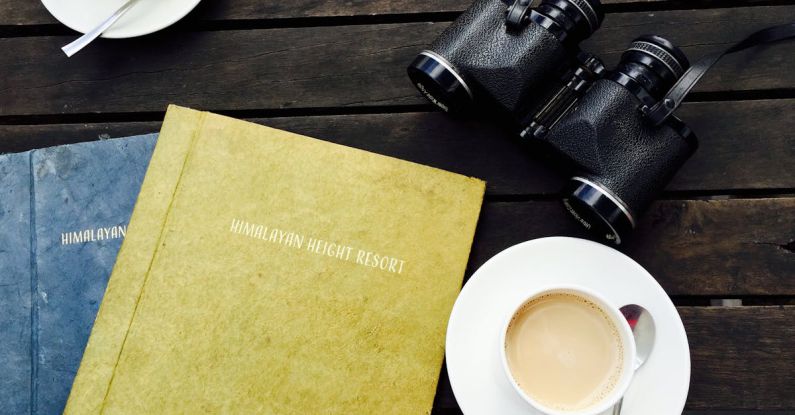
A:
615, 128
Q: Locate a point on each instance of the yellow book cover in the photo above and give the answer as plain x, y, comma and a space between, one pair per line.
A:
266, 272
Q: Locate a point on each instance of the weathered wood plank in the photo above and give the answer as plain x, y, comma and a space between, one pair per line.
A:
14, 12
721, 248
737, 152
712, 248
347, 66
741, 358
741, 344
735, 247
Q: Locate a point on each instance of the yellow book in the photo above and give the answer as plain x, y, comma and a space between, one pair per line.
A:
265, 272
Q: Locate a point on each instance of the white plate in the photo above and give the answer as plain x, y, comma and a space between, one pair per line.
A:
479, 383
145, 17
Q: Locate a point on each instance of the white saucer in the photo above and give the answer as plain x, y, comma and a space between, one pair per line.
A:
145, 17
479, 383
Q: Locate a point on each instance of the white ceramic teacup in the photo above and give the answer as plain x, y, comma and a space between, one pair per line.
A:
626, 340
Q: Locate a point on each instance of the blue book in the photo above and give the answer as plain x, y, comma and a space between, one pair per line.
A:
63, 215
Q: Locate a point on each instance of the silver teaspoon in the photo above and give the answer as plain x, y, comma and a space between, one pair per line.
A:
642, 325
89, 37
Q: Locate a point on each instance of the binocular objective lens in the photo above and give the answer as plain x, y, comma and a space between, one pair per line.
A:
439, 82
598, 210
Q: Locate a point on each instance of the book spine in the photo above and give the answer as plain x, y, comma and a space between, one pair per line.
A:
16, 280
95, 376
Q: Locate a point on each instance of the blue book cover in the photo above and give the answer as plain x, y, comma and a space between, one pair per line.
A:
63, 215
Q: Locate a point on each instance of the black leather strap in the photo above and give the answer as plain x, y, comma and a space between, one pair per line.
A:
666, 107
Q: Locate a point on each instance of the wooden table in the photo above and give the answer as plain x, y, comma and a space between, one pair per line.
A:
724, 229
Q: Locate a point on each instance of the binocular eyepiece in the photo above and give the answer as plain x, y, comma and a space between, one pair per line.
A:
573, 20
650, 67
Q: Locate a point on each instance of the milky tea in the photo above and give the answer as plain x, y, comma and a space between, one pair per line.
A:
564, 351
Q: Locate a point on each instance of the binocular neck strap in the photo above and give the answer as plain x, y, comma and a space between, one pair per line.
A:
666, 107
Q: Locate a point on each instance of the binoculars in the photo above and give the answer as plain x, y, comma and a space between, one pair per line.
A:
525, 62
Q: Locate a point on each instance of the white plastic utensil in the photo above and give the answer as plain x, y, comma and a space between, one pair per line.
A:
89, 37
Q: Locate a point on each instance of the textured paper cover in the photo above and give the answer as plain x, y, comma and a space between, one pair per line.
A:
62, 214
200, 319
